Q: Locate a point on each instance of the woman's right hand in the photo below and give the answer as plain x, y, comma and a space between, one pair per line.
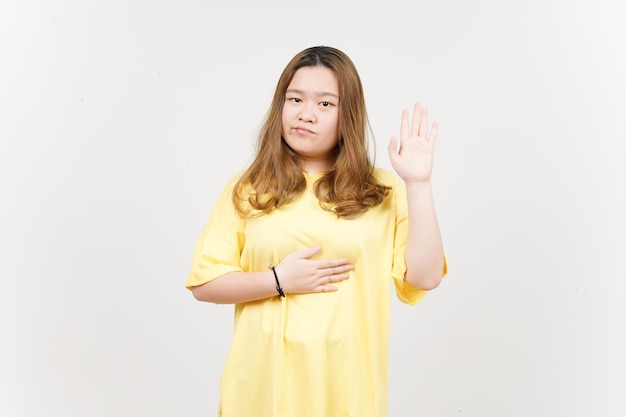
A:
298, 274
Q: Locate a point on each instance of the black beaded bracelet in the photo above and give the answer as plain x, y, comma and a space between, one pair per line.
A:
281, 293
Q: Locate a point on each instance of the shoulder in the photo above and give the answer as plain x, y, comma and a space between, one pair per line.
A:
397, 192
387, 178
234, 179
232, 182
225, 195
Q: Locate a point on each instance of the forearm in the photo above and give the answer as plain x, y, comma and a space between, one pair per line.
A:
424, 249
237, 287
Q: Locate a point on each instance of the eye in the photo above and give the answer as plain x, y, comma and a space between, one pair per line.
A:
326, 104
294, 99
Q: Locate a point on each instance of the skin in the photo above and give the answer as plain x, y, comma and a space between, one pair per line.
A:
310, 120
412, 159
310, 117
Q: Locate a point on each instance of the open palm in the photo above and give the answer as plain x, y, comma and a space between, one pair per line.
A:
412, 157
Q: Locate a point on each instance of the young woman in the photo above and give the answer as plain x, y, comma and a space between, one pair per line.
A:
305, 243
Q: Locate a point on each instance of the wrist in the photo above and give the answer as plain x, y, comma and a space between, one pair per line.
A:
279, 289
418, 185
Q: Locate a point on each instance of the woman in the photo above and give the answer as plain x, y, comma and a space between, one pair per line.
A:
312, 329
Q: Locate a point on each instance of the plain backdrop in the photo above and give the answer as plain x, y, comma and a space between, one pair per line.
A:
121, 121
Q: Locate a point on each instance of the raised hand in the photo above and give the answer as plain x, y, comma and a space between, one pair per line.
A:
412, 158
298, 274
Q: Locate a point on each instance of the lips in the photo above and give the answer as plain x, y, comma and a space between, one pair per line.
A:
302, 130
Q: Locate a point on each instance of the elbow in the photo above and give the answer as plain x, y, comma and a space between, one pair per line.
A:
429, 284
426, 276
215, 291
200, 293
197, 294
425, 280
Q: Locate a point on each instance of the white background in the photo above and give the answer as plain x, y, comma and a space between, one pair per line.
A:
120, 121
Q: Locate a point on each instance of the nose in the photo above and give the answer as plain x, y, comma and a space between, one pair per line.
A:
307, 113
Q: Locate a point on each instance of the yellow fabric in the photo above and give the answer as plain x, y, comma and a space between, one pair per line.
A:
309, 355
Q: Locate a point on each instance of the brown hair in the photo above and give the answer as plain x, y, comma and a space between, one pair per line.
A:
274, 178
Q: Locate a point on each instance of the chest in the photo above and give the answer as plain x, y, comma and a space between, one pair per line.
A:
303, 224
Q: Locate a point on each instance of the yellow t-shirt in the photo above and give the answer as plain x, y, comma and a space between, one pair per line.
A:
309, 355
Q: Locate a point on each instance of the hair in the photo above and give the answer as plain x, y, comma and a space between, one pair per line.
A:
274, 178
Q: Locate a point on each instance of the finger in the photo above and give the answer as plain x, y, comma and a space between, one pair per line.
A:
392, 148
325, 284
338, 277
309, 252
417, 115
423, 127
404, 125
432, 137
331, 265
333, 277
339, 270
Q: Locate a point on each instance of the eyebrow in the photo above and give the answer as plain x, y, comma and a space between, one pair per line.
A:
317, 94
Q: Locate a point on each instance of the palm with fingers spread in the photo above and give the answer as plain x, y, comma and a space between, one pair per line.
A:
412, 158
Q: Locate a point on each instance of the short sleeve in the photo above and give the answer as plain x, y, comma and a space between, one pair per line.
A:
218, 249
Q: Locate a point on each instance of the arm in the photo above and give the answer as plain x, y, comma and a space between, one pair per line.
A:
424, 246
237, 287
296, 272
412, 160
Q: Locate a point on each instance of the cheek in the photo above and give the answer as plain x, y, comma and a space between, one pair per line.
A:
334, 125
284, 118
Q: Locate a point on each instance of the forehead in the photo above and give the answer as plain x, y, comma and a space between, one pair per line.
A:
314, 79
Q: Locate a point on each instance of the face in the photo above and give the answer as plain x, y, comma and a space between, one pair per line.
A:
310, 117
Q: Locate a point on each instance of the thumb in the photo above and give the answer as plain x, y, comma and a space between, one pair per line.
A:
393, 147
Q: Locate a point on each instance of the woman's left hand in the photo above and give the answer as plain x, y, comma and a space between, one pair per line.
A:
412, 159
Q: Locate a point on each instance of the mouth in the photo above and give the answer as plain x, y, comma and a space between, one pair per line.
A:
302, 130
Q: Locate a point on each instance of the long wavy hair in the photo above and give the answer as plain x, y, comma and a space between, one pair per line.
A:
274, 178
